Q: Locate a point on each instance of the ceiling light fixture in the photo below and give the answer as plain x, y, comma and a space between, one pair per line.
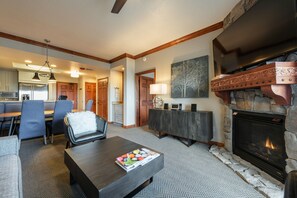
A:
28, 61
74, 74
46, 63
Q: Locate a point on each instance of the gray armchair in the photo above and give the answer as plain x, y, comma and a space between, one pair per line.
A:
76, 136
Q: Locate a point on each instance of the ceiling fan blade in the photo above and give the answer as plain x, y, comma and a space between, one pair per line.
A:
118, 6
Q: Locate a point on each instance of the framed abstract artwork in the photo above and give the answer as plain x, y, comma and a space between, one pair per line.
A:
189, 78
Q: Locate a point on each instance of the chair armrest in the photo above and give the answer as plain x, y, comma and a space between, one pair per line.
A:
69, 131
101, 124
68, 128
9, 145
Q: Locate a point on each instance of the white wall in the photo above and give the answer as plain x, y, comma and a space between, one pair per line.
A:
129, 89
81, 90
129, 93
115, 80
162, 61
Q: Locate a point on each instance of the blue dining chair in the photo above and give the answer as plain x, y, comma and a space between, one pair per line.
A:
49, 106
1, 119
11, 107
56, 126
89, 105
32, 122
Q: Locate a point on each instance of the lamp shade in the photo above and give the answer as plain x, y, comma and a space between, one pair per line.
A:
158, 89
36, 77
52, 78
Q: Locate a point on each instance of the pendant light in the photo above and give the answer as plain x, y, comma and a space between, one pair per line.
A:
46, 63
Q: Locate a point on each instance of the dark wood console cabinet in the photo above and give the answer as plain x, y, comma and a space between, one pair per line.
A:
192, 126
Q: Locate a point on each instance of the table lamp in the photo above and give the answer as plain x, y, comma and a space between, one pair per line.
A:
158, 89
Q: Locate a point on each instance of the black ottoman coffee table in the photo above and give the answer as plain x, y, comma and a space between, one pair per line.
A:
93, 167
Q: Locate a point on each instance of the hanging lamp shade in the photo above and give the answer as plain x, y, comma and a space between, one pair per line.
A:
46, 64
36, 77
52, 78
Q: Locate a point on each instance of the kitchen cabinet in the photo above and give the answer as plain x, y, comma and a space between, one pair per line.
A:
2, 81
8, 81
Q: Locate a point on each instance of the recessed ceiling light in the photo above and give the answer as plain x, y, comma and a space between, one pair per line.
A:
74, 74
52, 65
28, 61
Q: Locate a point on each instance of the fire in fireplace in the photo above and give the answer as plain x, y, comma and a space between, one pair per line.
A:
259, 139
269, 144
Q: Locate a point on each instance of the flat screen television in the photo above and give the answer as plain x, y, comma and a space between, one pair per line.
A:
266, 31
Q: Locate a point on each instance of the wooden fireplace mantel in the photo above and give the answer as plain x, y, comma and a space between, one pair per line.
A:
273, 79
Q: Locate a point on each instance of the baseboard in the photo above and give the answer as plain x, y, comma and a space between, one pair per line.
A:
219, 144
110, 122
129, 126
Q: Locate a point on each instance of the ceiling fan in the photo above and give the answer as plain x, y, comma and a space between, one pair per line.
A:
118, 6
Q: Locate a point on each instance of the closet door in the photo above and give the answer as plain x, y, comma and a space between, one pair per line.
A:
102, 98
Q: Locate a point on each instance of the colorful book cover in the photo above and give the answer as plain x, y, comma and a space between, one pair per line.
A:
135, 158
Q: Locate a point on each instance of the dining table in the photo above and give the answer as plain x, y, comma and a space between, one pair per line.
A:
15, 115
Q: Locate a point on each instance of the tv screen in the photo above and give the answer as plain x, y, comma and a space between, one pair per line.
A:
266, 31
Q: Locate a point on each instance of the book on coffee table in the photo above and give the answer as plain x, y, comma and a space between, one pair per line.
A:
135, 158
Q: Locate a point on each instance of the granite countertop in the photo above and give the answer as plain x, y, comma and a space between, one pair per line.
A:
3, 100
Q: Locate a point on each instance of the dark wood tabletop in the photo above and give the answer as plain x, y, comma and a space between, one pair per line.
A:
93, 167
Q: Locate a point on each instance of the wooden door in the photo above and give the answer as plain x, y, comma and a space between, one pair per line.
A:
145, 99
69, 90
102, 97
90, 94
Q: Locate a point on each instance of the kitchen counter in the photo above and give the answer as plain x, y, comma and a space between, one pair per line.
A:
16, 101
8, 100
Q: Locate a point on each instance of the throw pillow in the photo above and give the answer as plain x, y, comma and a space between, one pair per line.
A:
82, 122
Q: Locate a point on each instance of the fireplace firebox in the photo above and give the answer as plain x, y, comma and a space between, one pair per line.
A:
259, 139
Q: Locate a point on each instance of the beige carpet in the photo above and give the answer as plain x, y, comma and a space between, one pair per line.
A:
188, 172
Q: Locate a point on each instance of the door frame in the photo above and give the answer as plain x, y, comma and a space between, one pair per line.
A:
137, 91
97, 97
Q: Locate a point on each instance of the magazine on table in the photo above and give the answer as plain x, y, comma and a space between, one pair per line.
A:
135, 158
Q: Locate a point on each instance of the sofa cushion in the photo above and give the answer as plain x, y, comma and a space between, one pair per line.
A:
10, 184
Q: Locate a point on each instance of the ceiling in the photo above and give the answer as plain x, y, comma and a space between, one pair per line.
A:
88, 26
12, 58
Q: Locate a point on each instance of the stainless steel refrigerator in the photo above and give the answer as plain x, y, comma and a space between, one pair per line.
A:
30, 91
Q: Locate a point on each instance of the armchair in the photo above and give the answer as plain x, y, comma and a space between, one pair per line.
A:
84, 127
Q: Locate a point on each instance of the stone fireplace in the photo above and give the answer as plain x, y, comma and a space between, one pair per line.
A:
253, 100
271, 90
259, 139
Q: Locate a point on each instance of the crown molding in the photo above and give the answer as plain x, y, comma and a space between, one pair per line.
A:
187, 37
125, 55
40, 44
198, 33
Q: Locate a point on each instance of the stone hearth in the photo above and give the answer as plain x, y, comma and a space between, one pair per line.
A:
261, 181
